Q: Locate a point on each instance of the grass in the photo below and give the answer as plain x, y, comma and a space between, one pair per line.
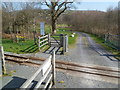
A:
71, 40
10, 73
18, 48
101, 42
28, 46
67, 31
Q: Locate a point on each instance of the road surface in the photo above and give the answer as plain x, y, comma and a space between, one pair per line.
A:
86, 52
89, 52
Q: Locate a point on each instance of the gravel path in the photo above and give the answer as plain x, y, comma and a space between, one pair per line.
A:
86, 51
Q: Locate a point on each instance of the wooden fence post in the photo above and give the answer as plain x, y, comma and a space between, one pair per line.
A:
61, 40
3, 60
0, 62
119, 43
66, 41
39, 43
49, 40
53, 67
63, 44
105, 38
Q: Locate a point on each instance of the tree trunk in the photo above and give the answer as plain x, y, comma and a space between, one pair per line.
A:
53, 20
11, 32
53, 26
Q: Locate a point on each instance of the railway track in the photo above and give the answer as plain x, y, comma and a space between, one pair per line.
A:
96, 70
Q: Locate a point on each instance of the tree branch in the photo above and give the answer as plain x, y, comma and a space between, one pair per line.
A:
59, 7
48, 5
65, 4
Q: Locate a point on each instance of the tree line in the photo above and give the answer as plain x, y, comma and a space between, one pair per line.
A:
26, 20
22, 21
95, 22
103, 24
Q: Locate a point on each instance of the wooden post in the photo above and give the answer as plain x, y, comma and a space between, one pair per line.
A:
63, 44
105, 38
3, 60
108, 38
66, 43
39, 43
49, 40
0, 62
53, 67
119, 43
61, 40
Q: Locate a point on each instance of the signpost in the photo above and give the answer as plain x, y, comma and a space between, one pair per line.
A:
42, 28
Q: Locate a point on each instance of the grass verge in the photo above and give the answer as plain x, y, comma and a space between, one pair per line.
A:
71, 40
108, 48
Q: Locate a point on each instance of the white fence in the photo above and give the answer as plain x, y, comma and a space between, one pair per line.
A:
60, 39
45, 70
42, 41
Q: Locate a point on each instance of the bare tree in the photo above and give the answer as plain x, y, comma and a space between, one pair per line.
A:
57, 8
8, 9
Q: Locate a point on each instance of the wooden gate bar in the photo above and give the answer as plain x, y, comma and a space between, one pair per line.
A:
43, 78
48, 67
39, 43
27, 83
48, 81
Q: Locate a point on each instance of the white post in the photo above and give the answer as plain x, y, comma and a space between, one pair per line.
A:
0, 62
3, 60
53, 67
49, 40
66, 43
63, 44
39, 43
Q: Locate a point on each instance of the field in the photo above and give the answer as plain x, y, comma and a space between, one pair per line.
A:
28, 46
21, 47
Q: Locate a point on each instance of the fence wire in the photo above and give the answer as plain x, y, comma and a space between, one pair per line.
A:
113, 40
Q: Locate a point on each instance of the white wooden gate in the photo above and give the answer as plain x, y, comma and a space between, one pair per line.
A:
48, 67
